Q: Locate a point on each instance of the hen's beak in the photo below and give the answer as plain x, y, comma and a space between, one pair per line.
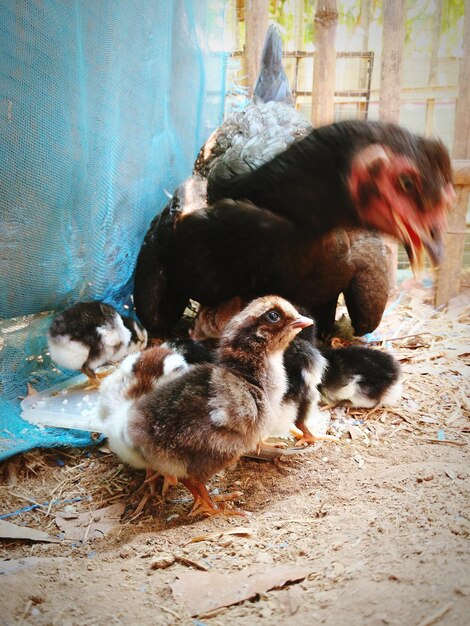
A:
301, 322
417, 239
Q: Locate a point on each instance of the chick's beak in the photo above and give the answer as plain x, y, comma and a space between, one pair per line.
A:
301, 322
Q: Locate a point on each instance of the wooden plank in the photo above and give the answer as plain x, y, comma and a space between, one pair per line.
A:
429, 124
462, 117
461, 171
391, 70
448, 276
448, 283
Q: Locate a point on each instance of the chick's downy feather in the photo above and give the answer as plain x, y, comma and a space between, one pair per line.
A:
191, 425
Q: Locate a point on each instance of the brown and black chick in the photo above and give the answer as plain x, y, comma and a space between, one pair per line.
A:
304, 367
361, 376
190, 426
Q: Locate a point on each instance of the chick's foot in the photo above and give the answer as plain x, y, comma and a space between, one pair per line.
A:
307, 438
271, 444
94, 378
203, 503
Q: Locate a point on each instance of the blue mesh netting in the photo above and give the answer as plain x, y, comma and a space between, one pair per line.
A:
103, 107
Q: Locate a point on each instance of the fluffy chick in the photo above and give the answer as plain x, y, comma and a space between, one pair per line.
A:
362, 376
137, 375
195, 424
91, 334
303, 364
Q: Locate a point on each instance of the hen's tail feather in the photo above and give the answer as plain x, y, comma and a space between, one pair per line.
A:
272, 83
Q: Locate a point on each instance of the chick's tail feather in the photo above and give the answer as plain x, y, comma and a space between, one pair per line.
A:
272, 84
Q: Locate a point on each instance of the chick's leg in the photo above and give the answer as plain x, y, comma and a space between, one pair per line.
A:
307, 438
93, 379
168, 481
151, 478
203, 503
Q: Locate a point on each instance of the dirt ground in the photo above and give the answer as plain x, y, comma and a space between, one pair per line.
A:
379, 523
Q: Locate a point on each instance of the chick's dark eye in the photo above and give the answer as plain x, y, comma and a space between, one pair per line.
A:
407, 183
272, 316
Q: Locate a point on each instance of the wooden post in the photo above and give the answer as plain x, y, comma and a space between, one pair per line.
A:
462, 118
298, 24
391, 74
324, 70
432, 78
366, 11
448, 276
391, 71
256, 25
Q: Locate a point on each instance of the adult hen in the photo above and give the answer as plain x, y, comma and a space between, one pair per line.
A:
346, 175
262, 232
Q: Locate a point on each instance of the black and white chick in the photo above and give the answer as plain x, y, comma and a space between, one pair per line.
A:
136, 376
91, 334
305, 366
192, 425
362, 376
193, 351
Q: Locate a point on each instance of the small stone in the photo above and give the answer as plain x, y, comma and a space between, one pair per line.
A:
359, 460
162, 562
427, 478
126, 552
